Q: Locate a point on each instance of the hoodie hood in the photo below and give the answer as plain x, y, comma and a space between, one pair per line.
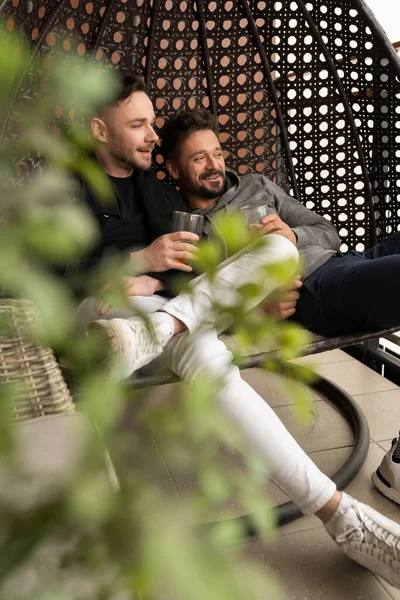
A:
317, 240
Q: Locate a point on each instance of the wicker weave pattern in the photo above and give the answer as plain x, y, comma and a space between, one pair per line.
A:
306, 92
37, 385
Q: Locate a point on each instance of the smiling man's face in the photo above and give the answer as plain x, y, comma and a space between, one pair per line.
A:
199, 166
127, 132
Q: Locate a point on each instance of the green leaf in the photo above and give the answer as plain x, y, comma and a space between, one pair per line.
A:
14, 54
94, 175
209, 257
93, 500
100, 399
6, 404
214, 486
303, 400
231, 228
59, 234
80, 83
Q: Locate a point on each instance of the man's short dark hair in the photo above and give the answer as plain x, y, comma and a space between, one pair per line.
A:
183, 124
126, 83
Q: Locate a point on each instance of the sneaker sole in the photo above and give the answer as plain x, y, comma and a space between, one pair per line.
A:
375, 566
387, 491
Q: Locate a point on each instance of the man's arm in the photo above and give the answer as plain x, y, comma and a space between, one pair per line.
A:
169, 251
154, 261
309, 228
282, 304
142, 285
165, 250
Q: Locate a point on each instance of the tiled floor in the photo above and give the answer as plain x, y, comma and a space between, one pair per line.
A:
304, 559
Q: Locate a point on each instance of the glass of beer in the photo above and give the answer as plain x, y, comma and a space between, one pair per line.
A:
254, 214
185, 221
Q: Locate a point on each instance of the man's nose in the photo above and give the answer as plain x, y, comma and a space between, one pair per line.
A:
212, 164
151, 135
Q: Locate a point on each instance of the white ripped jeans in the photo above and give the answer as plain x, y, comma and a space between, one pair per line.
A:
199, 350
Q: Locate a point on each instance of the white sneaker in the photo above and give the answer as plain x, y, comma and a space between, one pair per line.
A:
387, 476
370, 539
134, 343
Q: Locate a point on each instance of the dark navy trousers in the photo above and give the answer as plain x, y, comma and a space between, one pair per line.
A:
353, 292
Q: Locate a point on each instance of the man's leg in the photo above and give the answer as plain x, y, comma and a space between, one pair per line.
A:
89, 309
135, 346
192, 356
352, 293
388, 247
362, 533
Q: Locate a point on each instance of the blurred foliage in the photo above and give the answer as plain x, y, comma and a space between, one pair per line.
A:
90, 536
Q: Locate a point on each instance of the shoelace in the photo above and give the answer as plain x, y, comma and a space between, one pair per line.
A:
369, 533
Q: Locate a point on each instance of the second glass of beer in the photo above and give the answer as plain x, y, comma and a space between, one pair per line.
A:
185, 221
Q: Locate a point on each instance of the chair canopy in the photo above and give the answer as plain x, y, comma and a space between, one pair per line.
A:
307, 93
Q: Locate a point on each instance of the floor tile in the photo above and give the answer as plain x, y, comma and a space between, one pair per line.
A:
354, 377
362, 487
382, 410
138, 447
330, 356
327, 429
230, 457
166, 489
270, 386
386, 444
309, 565
188, 484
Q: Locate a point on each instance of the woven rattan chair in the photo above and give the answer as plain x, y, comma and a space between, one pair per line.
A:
50, 437
35, 384
307, 93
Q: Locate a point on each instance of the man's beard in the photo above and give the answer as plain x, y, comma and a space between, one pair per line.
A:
129, 161
209, 193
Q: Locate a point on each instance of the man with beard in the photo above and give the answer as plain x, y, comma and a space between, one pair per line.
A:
126, 137
341, 293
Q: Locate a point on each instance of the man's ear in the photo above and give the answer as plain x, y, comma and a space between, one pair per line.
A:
99, 129
172, 169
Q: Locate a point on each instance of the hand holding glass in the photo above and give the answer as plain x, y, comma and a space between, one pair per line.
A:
254, 214
183, 221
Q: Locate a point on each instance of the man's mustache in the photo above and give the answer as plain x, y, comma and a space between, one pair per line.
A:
208, 173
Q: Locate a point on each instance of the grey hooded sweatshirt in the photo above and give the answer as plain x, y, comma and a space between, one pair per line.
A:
317, 239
